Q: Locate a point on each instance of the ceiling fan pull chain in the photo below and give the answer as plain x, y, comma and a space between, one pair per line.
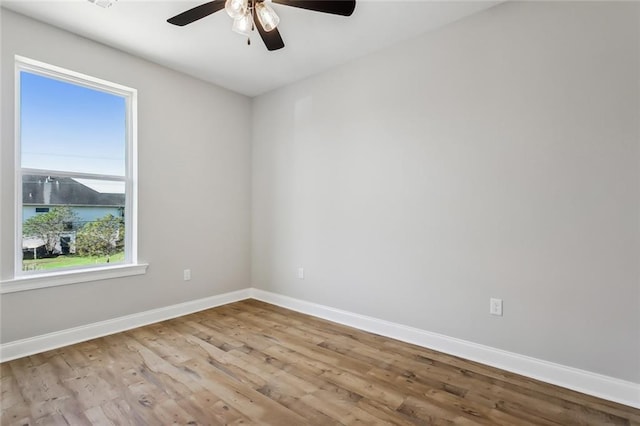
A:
252, 11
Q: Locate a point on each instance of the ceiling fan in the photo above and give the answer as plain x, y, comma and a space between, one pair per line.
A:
248, 14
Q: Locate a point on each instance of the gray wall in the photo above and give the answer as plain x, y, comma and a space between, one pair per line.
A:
194, 186
498, 156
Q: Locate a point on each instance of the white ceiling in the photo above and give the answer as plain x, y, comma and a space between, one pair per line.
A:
209, 50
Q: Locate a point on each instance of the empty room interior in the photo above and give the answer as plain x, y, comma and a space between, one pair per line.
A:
320, 212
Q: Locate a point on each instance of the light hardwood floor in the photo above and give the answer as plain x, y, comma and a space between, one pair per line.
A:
255, 363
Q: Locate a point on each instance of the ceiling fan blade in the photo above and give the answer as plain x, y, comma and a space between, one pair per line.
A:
336, 7
196, 13
271, 39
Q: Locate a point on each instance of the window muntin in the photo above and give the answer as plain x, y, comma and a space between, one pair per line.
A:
75, 157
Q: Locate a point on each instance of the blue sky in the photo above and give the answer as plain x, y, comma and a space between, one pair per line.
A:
71, 128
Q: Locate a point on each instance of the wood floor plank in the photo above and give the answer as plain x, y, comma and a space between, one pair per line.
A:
254, 363
119, 412
342, 409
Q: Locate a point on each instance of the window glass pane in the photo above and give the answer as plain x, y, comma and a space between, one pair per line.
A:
70, 222
67, 127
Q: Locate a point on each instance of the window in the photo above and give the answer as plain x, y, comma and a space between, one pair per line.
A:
75, 174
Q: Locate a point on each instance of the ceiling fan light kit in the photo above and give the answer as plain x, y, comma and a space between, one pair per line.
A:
243, 25
250, 14
236, 8
267, 16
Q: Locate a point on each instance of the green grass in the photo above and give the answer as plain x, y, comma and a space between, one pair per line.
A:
68, 261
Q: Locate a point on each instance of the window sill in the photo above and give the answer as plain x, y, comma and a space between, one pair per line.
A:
55, 279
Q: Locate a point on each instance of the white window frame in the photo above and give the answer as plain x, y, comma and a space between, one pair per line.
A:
28, 280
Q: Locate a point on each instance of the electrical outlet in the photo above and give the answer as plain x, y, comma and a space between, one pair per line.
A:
187, 274
495, 307
301, 273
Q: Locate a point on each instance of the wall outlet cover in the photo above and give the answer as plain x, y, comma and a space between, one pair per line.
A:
495, 306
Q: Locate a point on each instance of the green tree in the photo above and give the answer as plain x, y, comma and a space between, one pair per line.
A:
102, 237
49, 226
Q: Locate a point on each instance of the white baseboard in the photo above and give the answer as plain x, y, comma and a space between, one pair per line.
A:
45, 342
609, 388
599, 385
